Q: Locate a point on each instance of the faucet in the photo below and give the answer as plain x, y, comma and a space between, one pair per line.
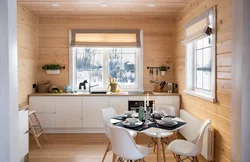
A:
90, 86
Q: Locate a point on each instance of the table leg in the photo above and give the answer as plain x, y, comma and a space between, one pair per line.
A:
158, 149
114, 157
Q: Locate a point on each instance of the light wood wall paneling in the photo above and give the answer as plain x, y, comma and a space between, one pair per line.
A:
27, 52
158, 42
220, 113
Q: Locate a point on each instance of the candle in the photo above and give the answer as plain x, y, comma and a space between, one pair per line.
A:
147, 99
153, 106
145, 103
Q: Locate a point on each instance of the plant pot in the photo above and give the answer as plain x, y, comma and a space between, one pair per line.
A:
53, 72
163, 73
113, 88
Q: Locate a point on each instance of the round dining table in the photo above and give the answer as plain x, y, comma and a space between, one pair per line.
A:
151, 127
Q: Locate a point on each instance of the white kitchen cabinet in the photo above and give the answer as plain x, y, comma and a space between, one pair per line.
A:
120, 104
68, 112
91, 110
47, 120
43, 104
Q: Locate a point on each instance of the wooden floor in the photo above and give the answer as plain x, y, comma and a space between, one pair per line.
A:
80, 148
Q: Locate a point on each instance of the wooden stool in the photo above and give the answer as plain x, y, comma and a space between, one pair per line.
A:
36, 123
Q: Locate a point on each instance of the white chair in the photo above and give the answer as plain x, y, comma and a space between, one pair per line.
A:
167, 109
154, 134
164, 134
107, 115
189, 149
124, 146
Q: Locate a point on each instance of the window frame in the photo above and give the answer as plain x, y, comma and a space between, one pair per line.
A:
190, 68
139, 68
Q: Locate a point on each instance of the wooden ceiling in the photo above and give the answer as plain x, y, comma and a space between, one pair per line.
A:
44, 8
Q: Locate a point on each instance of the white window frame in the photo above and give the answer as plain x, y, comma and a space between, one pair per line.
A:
190, 65
139, 70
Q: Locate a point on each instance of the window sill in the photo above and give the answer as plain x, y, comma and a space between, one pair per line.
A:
203, 96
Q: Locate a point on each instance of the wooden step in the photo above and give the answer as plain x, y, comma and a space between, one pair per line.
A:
39, 134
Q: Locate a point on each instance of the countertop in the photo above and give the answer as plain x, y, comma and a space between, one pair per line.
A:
23, 107
120, 94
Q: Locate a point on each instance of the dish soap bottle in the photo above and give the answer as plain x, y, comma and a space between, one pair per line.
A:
141, 113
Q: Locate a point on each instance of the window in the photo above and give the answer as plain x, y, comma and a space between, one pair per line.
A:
96, 62
200, 56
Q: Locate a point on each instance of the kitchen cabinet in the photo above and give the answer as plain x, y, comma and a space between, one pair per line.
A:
45, 108
120, 104
44, 105
92, 117
68, 112
71, 114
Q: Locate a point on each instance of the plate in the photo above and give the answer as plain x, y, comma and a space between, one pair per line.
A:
160, 122
137, 124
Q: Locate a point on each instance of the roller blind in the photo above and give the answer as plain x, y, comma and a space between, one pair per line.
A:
112, 38
199, 28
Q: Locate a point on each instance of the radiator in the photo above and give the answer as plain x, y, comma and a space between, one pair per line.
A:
191, 130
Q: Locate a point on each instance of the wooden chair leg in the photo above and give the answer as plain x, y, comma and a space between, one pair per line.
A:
106, 151
114, 157
149, 142
163, 150
177, 158
137, 138
34, 134
196, 159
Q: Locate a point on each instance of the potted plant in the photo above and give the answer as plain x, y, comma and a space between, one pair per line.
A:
112, 85
52, 68
163, 70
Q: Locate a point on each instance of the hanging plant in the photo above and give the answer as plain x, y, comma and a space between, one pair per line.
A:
52, 68
163, 70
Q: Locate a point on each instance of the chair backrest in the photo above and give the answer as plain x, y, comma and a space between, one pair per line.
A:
123, 144
107, 114
167, 109
199, 139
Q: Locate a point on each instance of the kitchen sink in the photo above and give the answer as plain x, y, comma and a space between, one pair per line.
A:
98, 92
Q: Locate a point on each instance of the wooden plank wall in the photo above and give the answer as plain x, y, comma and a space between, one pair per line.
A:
27, 31
220, 113
54, 42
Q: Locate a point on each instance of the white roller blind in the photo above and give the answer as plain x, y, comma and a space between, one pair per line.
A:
99, 38
198, 28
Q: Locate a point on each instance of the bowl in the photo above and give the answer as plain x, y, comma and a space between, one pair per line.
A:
132, 120
128, 113
167, 120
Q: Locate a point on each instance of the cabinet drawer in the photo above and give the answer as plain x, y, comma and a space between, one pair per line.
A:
24, 145
43, 105
23, 122
47, 120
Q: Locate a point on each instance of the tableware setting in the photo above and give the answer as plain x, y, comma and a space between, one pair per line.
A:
167, 122
132, 122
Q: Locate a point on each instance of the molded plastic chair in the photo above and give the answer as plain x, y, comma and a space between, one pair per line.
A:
164, 134
189, 148
167, 109
124, 146
107, 115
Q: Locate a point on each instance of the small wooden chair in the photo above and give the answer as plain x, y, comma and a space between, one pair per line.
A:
36, 123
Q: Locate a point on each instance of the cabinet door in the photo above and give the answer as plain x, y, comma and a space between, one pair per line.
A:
91, 106
47, 120
120, 104
43, 104
68, 112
